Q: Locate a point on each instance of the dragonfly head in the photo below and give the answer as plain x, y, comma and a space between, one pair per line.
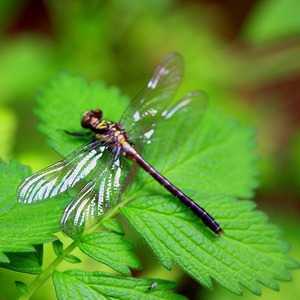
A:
91, 118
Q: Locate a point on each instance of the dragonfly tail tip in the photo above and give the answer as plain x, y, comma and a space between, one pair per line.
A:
219, 231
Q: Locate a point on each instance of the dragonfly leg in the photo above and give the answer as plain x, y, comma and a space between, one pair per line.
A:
77, 133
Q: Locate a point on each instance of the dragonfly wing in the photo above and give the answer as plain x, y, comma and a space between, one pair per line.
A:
146, 108
62, 175
83, 207
183, 117
193, 103
97, 196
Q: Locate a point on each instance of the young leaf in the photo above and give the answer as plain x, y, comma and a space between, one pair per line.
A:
247, 254
113, 225
72, 259
111, 249
22, 226
58, 247
99, 285
22, 287
26, 262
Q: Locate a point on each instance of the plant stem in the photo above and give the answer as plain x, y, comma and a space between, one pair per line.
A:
40, 279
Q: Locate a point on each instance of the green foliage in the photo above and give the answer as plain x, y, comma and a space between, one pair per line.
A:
58, 247
22, 226
61, 105
212, 160
113, 225
218, 150
22, 287
11, 175
98, 285
254, 80
72, 259
247, 254
99, 245
25, 262
35, 226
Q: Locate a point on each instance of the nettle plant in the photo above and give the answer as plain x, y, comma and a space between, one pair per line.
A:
212, 160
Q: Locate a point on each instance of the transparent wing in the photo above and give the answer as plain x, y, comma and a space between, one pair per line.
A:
182, 118
146, 108
98, 196
192, 105
62, 175
180, 122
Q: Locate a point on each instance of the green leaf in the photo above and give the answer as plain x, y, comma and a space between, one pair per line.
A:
26, 262
247, 254
22, 226
111, 249
213, 156
21, 287
58, 247
11, 175
67, 97
72, 259
36, 226
98, 285
113, 225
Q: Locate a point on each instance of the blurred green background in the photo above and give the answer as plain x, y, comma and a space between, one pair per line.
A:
244, 54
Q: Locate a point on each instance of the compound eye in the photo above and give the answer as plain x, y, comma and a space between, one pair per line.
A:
85, 120
90, 117
97, 113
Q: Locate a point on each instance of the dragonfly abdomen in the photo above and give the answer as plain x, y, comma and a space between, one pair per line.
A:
207, 219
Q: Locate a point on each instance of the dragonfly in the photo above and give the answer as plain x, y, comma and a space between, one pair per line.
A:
107, 164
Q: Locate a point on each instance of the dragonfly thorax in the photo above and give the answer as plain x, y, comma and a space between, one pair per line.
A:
110, 132
105, 130
113, 134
